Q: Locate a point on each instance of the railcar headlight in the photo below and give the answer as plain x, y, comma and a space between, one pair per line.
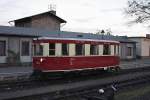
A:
41, 60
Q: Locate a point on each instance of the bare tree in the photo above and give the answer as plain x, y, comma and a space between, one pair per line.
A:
139, 10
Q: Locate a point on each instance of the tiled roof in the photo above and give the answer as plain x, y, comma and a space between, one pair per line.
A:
20, 31
48, 13
33, 32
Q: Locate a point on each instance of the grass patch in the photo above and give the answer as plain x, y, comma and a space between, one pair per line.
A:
132, 93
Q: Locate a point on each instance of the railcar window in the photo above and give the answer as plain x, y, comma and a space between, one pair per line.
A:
94, 50
52, 49
38, 50
115, 51
106, 49
79, 49
65, 49
118, 49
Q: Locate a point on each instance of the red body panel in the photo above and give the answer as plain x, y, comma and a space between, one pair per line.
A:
74, 63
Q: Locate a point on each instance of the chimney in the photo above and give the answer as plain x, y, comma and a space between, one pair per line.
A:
53, 12
148, 36
52, 9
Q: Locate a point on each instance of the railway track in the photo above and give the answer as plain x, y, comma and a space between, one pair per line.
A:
28, 82
64, 88
98, 92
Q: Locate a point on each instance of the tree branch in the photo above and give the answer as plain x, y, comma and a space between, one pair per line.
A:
139, 9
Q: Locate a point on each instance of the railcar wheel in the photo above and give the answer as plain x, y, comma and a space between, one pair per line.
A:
117, 69
37, 74
113, 69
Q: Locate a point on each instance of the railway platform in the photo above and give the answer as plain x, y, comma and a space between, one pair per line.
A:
11, 73
15, 72
137, 63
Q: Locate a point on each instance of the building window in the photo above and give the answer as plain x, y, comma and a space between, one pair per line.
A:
79, 49
65, 49
129, 51
25, 50
93, 50
52, 49
2, 48
106, 49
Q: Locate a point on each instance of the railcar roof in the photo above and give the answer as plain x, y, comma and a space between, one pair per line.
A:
77, 39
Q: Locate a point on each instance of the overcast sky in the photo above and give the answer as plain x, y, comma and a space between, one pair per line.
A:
81, 15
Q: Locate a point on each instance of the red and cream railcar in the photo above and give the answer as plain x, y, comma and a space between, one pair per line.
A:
68, 54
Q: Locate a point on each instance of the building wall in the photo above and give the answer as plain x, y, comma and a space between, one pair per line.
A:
3, 58
26, 23
45, 22
41, 21
13, 45
138, 46
124, 50
145, 47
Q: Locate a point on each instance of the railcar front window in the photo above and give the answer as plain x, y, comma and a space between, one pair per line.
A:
38, 50
93, 50
65, 49
79, 49
52, 49
106, 50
